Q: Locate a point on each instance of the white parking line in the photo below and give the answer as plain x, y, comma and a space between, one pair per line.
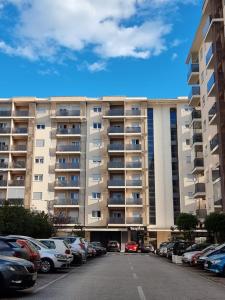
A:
135, 275
50, 283
141, 293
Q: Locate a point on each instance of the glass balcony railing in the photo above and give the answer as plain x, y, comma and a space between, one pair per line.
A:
69, 165
198, 162
199, 188
209, 54
21, 113
207, 25
196, 114
193, 68
216, 174
3, 182
133, 112
195, 92
116, 201
5, 113
134, 201
67, 183
116, 129
134, 183
134, 220
20, 130
68, 131
58, 220
19, 148
16, 182
211, 82
115, 112
18, 165
136, 164
214, 142
116, 182
116, 164
4, 147
3, 165
66, 201
116, 147
197, 138
133, 147
113, 220
5, 130
133, 129
68, 148
75, 113
212, 112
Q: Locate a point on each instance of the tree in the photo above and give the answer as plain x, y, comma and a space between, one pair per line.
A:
187, 223
215, 225
18, 220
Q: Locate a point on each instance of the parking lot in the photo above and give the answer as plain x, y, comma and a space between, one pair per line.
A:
127, 276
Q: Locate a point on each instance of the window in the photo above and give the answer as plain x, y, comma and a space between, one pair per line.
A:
135, 142
96, 195
96, 160
40, 126
96, 177
41, 109
97, 143
40, 143
97, 125
37, 196
39, 160
38, 177
187, 142
96, 214
97, 109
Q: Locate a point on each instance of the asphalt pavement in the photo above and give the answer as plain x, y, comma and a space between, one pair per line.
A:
127, 277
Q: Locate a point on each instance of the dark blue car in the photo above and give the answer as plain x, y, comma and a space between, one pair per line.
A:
216, 264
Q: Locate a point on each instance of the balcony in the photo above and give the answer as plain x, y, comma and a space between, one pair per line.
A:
198, 166
131, 183
201, 213
18, 165
133, 129
199, 191
115, 130
6, 130
3, 165
68, 148
193, 74
66, 202
67, 166
3, 183
131, 147
19, 148
20, 130
16, 183
67, 183
116, 165
213, 115
12, 201
214, 144
21, 113
115, 113
6, 113
116, 183
116, 221
194, 96
71, 131
210, 22
4, 147
133, 112
116, 201
64, 220
116, 147
197, 138
67, 113
134, 165
134, 220
211, 86
196, 114
216, 175
209, 60
134, 201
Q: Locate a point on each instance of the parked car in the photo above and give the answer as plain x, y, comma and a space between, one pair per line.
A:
10, 247
50, 259
216, 264
176, 248
147, 249
163, 249
158, 250
190, 257
113, 246
218, 250
34, 255
99, 248
16, 273
91, 252
60, 246
131, 247
77, 248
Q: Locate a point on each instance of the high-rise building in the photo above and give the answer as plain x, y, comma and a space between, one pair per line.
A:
206, 76
117, 167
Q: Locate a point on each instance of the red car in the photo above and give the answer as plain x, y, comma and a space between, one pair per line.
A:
33, 253
131, 247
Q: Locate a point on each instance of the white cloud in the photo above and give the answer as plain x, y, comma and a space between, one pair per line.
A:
174, 56
96, 66
47, 28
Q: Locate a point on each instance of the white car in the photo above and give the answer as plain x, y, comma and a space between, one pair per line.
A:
187, 256
60, 246
50, 259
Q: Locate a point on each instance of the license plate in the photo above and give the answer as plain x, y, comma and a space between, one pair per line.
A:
34, 276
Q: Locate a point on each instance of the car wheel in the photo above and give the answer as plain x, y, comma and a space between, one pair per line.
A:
46, 265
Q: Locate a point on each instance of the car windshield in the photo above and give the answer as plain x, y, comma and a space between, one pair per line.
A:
37, 243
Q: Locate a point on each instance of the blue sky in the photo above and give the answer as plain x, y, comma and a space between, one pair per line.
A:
96, 47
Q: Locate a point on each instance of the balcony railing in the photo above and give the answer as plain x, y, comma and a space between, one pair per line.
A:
212, 112
6, 113
197, 138
116, 201
19, 201
133, 147
75, 113
134, 220
216, 174
134, 183
193, 68
136, 164
207, 25
209, 54
68, 148
16, 183
211, 82
214, 142
3, 182
20, 130
134, 201
3, 165
133, 112
58, 220
18, 165
198, 162
199, 188
67, 201
116, 164
133, 129
116, 182
116, 147
195, 92
21, 113
67, 183
68, 131
116, 129
19, 148
5, 130
4, 148
67, 165
113, 220
196, 114
115, 112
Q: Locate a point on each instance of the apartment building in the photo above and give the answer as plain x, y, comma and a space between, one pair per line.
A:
116, 167
206, 77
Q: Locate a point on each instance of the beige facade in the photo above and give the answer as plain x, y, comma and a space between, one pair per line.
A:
86, 161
